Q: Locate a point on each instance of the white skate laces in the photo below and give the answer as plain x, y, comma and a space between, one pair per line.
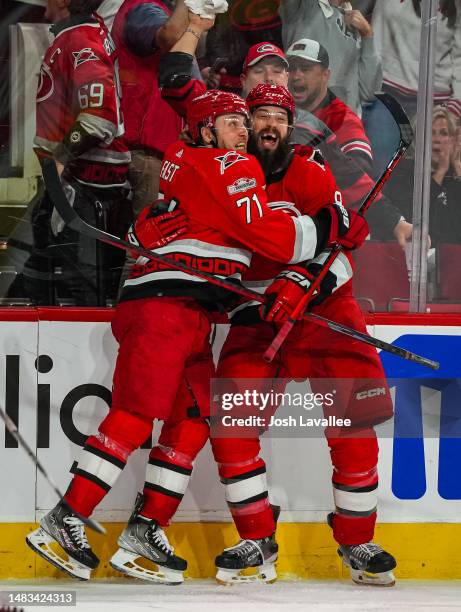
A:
157, 537
245, 547
74, 557
366, 551
149, 542
77, 530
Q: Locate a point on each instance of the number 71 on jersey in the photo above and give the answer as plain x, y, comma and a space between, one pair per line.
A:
247, 202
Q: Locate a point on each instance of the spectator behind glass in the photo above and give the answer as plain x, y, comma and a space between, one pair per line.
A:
348, 38
142, 30
309, 77
397, 28
264, 63
445, 213
350, 156
445, 203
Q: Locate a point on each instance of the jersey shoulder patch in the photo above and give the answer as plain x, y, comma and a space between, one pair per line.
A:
317, 158
84, 55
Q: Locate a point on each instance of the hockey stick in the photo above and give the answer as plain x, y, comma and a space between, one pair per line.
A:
380, 344
71, 218
11, 427
406, 136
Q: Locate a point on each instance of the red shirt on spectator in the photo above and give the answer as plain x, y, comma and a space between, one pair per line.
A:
348, 127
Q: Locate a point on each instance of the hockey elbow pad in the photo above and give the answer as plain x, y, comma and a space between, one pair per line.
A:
175, 69
75, 142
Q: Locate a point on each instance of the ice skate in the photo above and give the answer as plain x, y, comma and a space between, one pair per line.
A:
63, 527
259, 554
144, 539
368, 562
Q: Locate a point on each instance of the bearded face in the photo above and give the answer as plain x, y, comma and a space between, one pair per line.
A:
269, 138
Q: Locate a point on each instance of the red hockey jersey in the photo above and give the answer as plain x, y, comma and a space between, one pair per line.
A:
78, 81
222, 193
347, 126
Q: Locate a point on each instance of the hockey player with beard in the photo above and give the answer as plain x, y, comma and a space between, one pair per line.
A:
305, 184
309, 352
163, 325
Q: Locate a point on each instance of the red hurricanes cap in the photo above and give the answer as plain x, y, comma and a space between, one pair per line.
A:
258, 52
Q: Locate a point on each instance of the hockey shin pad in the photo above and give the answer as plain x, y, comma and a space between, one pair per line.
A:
355, 488
170, 467
103, 458
244, 479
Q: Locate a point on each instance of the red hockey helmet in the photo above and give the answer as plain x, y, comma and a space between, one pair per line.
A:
204, 110
267, 94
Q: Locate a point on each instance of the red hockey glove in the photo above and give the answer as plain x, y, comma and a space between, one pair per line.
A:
285, 293
155, 227
342, 226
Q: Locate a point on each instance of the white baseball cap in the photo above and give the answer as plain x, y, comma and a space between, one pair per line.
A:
310, 50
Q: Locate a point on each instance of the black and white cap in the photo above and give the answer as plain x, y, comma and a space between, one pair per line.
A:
310, 50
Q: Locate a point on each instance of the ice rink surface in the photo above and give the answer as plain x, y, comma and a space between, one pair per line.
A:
204, 596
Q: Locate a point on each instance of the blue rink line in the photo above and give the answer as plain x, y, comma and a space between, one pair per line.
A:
408, 460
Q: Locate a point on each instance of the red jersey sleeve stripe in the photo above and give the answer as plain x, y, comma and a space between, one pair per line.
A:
357, 145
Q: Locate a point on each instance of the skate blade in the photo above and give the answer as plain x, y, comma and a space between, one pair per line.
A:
382, 579
125, 561
265, 573
39, 541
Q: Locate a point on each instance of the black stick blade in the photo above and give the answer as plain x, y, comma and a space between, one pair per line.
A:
399, 116
56, 192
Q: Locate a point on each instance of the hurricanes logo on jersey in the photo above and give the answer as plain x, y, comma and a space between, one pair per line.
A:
45, 83
229, 159
84, 55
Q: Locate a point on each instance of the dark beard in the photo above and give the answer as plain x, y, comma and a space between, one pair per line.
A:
271, 161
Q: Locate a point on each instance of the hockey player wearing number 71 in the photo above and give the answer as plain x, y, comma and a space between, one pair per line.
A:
163, 324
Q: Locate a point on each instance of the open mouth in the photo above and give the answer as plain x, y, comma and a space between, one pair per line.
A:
268, 140
241, 146
298, 91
